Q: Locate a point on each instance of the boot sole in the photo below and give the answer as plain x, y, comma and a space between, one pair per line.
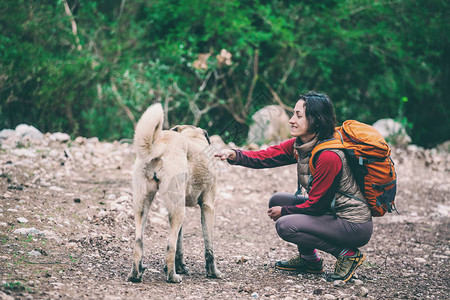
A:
295, 269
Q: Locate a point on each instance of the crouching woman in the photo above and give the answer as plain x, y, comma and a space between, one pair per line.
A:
329, 219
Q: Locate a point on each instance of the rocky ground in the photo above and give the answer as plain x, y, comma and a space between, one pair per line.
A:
67, 230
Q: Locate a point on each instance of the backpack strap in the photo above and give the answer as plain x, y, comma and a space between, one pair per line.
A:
328, 144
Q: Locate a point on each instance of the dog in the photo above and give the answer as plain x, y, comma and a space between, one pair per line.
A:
175, 163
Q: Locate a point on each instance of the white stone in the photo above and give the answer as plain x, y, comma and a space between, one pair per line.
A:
123, 198
358, 282
111, 197
420, 260
29, 131
28, 231
363, 292
22, 220
117, 206
6, 133
34, 253
53, 153
4, 296
60, 137
23, 152
55, 189
339, 283
269, 124
392, 130
226, 196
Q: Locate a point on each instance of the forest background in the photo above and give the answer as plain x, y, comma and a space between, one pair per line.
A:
91, 68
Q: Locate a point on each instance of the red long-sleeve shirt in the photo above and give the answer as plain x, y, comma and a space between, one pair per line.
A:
324, 185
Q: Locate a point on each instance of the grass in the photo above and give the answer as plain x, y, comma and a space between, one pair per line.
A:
16, 286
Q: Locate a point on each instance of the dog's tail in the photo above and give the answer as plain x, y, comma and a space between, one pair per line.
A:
148, 129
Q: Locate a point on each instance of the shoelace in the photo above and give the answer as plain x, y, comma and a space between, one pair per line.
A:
342, 266
295, 261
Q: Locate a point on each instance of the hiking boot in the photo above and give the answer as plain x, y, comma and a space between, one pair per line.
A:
300, 264
346, 266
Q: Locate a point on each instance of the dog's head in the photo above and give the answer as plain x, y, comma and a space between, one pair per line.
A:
192, 131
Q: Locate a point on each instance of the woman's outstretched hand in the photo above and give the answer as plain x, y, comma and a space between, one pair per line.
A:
274, 212
227, 154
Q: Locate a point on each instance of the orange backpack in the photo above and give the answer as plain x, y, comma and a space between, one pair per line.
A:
368, 156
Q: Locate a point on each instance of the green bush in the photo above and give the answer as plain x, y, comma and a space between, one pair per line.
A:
126, 55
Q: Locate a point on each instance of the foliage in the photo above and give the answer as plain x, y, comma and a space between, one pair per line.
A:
124, 55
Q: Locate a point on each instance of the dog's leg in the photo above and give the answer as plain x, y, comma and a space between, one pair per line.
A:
207, 226
143, 194
176, 216
180, 266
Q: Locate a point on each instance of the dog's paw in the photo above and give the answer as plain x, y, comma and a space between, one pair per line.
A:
133, 278
182, 269
214, 274
174, 278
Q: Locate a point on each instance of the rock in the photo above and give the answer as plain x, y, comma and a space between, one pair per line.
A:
22, 152
420, 260
116, 206
55, 189
123, 198
34, 253
226, 196
217, 143
241, 259
318, 292
329, 297
393, 132
24, 130
6, 133
102, 213
60, 137
28, 231
358, 282
80, 140
22, 220
443, 210
4, 296
362, 292
269, 124
92, 140
255, 295
111, 197
253, 147
442, 148
339, 283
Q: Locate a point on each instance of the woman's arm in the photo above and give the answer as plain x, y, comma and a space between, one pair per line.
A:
275, 156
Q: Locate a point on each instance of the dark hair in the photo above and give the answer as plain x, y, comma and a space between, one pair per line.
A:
320, 115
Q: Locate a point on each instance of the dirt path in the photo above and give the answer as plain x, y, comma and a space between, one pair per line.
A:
77, 197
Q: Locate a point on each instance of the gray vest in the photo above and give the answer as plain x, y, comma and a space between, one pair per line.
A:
347, 208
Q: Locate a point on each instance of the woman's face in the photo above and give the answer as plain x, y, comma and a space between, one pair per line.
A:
299, 123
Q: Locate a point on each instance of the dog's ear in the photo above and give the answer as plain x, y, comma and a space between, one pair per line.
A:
206, 136
176, 128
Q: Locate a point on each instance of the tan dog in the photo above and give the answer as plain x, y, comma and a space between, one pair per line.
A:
175, 163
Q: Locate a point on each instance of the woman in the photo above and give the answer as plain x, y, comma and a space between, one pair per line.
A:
329, 219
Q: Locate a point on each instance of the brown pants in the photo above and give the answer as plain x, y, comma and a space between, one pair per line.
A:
324, 232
